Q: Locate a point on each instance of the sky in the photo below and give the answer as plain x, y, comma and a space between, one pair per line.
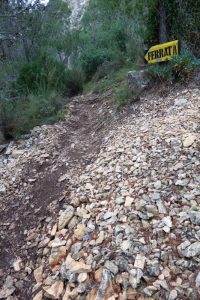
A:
44, 1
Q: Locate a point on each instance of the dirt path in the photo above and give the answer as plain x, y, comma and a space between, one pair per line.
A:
37, 185
105, 206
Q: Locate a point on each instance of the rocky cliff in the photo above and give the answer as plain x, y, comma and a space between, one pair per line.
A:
78, 8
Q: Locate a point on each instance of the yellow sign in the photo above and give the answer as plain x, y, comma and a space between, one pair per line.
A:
162, 52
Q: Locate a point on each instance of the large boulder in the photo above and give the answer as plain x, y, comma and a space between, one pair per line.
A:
137, 82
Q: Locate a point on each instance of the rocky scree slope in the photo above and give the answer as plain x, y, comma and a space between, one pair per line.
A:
77, 8
34, 181
129, 227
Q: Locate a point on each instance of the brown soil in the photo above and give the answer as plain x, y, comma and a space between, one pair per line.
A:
86, 125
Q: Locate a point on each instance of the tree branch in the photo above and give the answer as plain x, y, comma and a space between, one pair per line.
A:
30, 6
14, 15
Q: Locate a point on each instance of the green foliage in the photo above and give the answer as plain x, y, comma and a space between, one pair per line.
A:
43, 73
19, 116
122, 96
183, 65
54, 34
92, 58
113, 27
108, 68
8, 72
112, 37
46, 74
74, 81
104, 46
36, 97
182, 22
186, 25
109, 37
162, 72
179, 68
111, 81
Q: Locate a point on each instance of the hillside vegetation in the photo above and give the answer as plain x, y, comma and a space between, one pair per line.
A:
44, 60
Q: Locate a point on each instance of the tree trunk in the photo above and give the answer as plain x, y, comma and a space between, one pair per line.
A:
26, 49
163, 36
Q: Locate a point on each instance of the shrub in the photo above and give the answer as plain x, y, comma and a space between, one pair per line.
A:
108, 68
184, 65
74, 81
36, 97
92, 58
179, 68
46, 74
162, 72
43, 73
108, 82
122, 96
20, 116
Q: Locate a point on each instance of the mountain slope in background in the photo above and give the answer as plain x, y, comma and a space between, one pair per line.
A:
78, 8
